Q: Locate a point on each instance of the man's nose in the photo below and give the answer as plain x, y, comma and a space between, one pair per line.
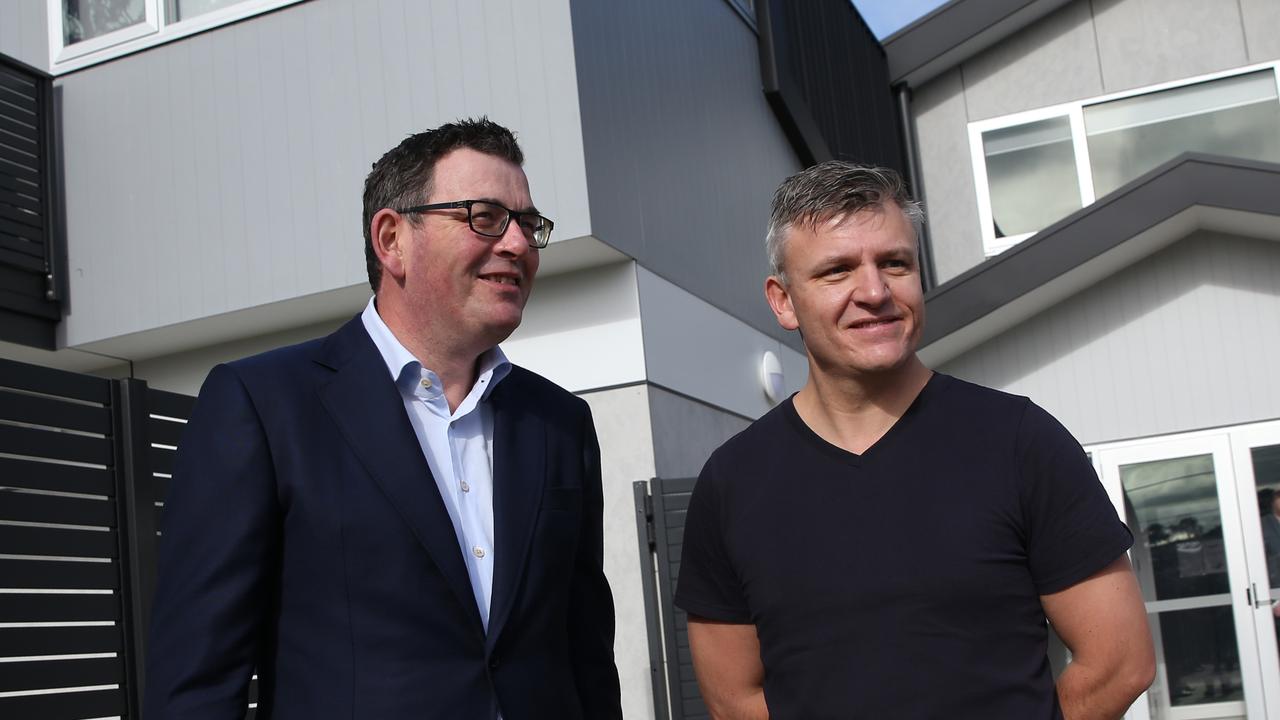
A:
871, 289
513, 243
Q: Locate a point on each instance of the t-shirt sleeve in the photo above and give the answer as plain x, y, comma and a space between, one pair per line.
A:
1072, 529
709, 586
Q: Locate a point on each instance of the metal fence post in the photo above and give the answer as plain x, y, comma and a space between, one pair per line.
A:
135, 514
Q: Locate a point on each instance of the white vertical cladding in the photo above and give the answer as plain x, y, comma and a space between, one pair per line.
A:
581, 330
702, 352
1183, 340
627, 455
224, 171
23, 33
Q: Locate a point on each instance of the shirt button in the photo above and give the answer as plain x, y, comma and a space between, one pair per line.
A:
426, 382
465, 486
477, 551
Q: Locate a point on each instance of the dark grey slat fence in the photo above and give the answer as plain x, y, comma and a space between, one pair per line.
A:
661, 506
83, 467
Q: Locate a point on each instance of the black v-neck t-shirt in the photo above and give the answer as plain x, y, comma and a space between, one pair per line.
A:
904, 582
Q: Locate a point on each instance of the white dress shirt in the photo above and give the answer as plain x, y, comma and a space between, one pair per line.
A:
458, 446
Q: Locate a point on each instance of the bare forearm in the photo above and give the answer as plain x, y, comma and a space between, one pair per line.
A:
750, 706
1089, 694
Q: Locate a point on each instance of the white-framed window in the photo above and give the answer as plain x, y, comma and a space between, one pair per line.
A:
1034, 168
84, 32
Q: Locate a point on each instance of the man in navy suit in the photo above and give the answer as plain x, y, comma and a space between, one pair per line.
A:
394, 521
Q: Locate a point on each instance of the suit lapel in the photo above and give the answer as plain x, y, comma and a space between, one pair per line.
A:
368, 410
519, 473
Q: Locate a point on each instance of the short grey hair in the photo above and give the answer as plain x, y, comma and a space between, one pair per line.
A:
829, 190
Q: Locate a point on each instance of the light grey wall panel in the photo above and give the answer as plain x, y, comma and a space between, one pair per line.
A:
950, 199
1143, 42
1186, 339
1261, 20
674, 123
1052, 61
224, 171
685, 432
24, 31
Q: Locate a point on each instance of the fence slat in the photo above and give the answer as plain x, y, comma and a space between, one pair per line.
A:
44, 410
27, 507
50, 444
44, 475
61, 542
59, 574
170, 404
46, 607
24, 641
64, 706
165, 432
40, 674
54, 382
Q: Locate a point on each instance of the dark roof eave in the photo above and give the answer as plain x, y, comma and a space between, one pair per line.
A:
955, 32
1187, 181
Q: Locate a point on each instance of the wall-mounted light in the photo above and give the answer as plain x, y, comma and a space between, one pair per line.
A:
771, 378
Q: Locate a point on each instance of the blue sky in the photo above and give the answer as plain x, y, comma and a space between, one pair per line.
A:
887, 16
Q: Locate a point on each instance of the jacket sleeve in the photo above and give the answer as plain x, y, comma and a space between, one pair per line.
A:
218, 563
591, 602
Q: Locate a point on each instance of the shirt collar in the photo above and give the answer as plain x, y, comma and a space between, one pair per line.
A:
492, 365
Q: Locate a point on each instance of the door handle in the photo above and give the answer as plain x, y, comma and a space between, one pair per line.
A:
1252, 594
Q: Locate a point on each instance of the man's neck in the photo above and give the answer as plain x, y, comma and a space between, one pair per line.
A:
455, 365
853, 412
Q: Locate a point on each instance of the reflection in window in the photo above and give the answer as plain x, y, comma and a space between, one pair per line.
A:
1201, 657
1173, 506
86, 19
187, 9
1031, 173
1236, 116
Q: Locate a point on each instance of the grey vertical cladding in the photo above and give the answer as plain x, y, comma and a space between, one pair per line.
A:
24, 32
682, 150
224, 170
1181, 341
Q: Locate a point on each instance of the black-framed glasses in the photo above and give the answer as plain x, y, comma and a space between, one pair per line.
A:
491, 219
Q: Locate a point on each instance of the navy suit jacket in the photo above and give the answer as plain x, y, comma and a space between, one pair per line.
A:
304, 536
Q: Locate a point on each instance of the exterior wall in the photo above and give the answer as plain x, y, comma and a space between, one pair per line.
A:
1182, 341
685, 432
224, 171
626, 448
699, 351
24, 32
673, 114
1086, 49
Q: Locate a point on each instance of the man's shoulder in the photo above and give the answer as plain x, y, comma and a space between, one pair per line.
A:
758, 440
537, 391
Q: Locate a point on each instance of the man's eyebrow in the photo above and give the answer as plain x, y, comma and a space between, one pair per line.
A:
527, 210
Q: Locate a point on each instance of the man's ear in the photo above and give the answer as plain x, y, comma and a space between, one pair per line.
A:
389, 230
775, 291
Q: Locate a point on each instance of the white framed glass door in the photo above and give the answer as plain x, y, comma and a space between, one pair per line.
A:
1198, 506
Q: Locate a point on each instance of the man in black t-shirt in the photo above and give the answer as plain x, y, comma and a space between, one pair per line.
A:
889, 542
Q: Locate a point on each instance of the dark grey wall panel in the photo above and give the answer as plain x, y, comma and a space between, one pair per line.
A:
685, 432
682, 150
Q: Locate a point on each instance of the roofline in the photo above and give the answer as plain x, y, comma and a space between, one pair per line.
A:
955, 32
1131, 223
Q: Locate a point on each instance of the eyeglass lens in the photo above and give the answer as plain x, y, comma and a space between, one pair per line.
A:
490, 219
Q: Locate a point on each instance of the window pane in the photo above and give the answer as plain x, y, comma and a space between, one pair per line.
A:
1172, 507
187, 9
1237, 116
86, 19
1031, 174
